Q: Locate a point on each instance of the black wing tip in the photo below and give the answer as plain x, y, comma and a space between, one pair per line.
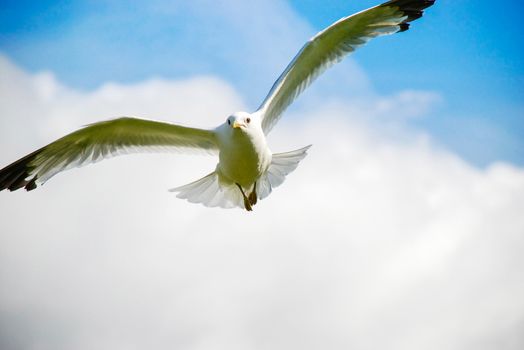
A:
403, 27
410, 4
413, 9
31, 185
18, 174
17, 179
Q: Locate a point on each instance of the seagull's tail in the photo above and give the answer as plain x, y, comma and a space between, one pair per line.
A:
211, 193
282, 164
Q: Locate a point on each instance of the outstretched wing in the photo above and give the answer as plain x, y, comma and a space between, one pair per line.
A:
98, 141
333, 44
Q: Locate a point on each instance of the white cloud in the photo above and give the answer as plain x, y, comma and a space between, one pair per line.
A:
408, 103
376, 241
248, 43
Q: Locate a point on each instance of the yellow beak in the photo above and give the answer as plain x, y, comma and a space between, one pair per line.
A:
237, 125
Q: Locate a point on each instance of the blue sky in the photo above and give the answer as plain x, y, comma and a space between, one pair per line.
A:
466, 51
381, 230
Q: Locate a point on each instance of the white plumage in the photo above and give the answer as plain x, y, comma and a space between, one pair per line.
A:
247, 170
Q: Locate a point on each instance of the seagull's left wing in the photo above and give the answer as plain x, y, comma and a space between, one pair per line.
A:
333, 44
102, 140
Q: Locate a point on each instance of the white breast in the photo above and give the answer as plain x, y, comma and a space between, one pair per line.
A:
244, 156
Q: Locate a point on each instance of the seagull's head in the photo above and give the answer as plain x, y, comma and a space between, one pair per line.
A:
240, 121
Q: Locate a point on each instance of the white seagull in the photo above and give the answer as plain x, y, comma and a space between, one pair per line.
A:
247, 170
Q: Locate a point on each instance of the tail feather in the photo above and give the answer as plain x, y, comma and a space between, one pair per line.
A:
210, 192
282, 164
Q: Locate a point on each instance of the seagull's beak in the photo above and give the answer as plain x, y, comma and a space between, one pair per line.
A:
237, 125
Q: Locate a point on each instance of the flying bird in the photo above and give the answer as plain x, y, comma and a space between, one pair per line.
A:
247, 170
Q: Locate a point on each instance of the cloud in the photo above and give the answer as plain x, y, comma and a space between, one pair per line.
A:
171, 39
408, 103
379, 239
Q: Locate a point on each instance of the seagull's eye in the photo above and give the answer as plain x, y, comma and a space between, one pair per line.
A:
229, 122
248, 120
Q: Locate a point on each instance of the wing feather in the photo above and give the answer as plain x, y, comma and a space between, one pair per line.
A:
102, 140
331, 45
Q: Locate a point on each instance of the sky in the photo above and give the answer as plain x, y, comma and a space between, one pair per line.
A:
469, 54
401, 229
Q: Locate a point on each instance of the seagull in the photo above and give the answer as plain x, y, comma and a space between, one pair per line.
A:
247, 171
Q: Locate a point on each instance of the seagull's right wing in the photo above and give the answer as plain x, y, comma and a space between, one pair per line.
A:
331, 46
102, 140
